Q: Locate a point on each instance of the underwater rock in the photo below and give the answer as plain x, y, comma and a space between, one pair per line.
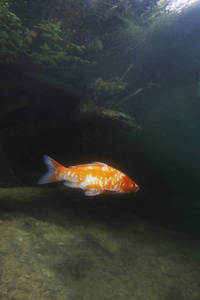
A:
107, 86
114, 118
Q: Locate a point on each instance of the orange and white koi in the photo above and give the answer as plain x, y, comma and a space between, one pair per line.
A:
95, 178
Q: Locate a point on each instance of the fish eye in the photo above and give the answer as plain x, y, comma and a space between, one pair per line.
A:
132, 185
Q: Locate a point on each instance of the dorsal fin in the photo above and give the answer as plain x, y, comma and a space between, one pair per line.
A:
91, 164
98, 163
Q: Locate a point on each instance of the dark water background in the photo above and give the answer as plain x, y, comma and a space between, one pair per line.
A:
41, 113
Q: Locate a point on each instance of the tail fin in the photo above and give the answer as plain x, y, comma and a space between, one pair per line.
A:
52, 167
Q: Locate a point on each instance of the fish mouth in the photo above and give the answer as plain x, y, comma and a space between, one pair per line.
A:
136, 188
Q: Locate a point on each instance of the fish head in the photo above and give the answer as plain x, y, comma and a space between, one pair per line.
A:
128, 185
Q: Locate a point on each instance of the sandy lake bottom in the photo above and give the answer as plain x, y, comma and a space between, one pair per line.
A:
55, 245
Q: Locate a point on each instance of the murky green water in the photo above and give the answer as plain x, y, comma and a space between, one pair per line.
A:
114, 81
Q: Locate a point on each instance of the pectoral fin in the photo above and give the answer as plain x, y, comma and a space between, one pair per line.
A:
89, 193
71, 185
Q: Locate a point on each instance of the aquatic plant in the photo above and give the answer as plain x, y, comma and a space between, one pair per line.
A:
53, 46
68, 34
47, 45
14, 38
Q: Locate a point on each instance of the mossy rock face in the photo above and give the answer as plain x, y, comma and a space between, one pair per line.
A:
107, 87
108, 117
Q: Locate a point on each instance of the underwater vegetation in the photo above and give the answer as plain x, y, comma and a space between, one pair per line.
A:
37, 35
14, 39
46, 45
42, 35
77, 70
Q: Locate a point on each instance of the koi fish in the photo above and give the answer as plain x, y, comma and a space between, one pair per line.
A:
95, 178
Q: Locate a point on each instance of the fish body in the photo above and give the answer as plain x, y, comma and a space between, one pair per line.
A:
95, 178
